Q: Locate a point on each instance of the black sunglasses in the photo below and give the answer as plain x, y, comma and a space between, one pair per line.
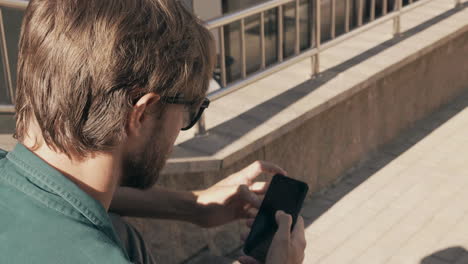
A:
195, 109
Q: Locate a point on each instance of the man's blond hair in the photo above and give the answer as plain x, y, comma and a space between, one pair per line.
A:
83, 63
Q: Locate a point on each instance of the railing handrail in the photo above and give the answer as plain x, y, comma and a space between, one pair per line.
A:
16, 4
312, 52
7, 108
238, 15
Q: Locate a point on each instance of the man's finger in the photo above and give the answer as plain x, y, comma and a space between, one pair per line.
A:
249, 197
247, 260
279, 249
298, 233
250, 222
255, 169
244, 235
259, 187
261, 197
284, 222
252, 213
260, 167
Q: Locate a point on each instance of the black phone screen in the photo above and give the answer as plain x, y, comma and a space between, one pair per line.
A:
284, 194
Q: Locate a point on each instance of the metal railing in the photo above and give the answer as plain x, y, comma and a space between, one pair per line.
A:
316, 46
218, 24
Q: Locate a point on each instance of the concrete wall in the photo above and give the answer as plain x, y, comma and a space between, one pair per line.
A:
207, 9
324, 147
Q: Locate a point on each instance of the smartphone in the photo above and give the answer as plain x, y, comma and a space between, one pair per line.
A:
284, 194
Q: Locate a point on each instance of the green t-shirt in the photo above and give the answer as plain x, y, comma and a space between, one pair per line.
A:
46, 218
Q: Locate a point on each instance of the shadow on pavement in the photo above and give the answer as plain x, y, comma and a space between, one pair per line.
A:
452, 255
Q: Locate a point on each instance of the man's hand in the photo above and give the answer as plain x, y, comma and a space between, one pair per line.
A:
286, 247
236, 197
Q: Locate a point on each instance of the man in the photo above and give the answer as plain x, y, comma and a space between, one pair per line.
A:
103, 89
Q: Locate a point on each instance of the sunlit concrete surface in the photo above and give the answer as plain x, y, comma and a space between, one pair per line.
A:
406, 204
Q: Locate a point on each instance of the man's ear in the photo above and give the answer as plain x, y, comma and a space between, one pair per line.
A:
139, 113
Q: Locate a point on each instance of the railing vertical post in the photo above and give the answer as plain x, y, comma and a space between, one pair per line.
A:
384, 7
6, 61
397, 19
347, 15
316, 57
360, 13
243, 52
372, 10
280, 33
297, 47
201, 127
262, 39
312, 23
222, 57
333, 19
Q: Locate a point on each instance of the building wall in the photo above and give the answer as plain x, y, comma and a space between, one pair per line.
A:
207, 9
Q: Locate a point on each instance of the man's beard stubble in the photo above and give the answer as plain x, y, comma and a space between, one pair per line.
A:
141, 170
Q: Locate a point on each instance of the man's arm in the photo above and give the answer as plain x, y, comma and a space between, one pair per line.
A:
235, 197
156, 202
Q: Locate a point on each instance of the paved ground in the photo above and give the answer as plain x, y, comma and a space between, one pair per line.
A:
407, 204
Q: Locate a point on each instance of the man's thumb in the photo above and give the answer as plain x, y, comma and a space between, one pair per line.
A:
279, 249
284, 222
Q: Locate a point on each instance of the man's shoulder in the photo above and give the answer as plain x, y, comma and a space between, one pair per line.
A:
55, 241
50, 235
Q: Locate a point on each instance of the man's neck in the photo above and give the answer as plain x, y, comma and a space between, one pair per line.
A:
97, 175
